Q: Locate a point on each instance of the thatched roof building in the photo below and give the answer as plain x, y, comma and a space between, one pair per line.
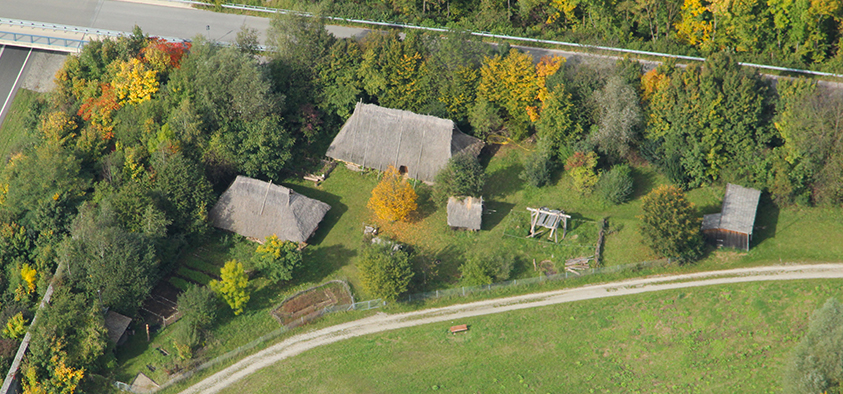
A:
418, 145
732, 227
116, 325
465, 212
258, 209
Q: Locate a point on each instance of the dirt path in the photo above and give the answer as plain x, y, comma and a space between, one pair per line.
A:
384, 322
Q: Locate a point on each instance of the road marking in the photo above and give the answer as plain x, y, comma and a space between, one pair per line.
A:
17, 79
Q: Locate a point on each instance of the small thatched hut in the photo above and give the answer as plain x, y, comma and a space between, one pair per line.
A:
258, 209
418, 145
732, 227
465, 212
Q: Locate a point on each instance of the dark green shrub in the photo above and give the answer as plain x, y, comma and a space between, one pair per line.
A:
538, 167
814, 366
462, 176
616, 186
487, 268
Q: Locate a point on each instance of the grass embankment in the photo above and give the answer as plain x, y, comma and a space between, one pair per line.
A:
797, 234
733, 338
13, 130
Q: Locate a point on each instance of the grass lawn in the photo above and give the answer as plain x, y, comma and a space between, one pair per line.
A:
786, 235
718, 339
12, 131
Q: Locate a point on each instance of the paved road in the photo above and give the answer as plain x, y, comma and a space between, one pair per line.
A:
174, 20
12, 61
381, 322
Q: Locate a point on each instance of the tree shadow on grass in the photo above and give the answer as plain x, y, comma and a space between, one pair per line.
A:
495, 212
321, 262
766, 220
644, 182
426, 204
504, 181
331, 217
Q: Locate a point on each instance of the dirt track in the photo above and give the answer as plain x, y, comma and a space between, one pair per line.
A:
384, 322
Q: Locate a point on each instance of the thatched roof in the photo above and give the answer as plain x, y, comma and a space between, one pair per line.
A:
116, 324
377, 137
465, 212
738, 212
258, 209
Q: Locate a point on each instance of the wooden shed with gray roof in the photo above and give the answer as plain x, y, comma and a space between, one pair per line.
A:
258, 209
417, 145
732, 227
465, 212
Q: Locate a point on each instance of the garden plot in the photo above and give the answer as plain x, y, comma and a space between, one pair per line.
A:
308, 304
160, 306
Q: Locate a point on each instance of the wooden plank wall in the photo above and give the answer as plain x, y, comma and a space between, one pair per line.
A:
726, 238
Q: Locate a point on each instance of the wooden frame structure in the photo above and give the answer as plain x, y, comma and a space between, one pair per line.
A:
548, 218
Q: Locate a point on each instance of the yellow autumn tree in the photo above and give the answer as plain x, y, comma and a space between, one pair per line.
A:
61, 379
393, 198
653, 84
510, 82
58, 128
695, 28
546, 67
134, 82
28, 274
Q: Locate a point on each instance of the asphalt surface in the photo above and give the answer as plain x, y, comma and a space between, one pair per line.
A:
180, 22
11, 64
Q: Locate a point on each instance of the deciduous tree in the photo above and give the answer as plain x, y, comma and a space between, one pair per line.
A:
581, 166
233, 286
814, 366
277, 259
670, 225
384, 272
393, 198
462, 176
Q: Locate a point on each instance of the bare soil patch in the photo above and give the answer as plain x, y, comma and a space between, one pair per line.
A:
308, 304
161, 303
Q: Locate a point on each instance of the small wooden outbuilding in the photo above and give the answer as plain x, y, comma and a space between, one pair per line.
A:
116, 325
732, 227
465, 213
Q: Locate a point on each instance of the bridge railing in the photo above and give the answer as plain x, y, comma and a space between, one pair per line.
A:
58, 43
243, 7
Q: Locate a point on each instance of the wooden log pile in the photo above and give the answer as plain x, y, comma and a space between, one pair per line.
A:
577, 264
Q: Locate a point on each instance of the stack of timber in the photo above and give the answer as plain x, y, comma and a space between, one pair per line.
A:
577, 264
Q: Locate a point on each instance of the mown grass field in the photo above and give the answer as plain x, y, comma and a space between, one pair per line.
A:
13, 130
717, 339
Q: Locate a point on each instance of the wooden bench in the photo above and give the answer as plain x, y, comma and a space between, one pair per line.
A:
459, 328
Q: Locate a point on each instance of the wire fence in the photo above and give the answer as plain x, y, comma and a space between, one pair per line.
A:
466, 290
378, 303
357, 306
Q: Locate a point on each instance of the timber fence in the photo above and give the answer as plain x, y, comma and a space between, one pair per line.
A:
401, 25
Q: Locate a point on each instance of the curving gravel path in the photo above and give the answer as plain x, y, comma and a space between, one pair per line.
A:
385, 322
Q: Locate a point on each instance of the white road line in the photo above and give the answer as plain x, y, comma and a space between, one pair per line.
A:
17, 79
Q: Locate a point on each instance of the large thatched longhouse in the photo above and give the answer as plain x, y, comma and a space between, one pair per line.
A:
417, 145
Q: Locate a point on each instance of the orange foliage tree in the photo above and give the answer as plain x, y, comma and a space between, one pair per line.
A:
98, 111
393, 198
163, 56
